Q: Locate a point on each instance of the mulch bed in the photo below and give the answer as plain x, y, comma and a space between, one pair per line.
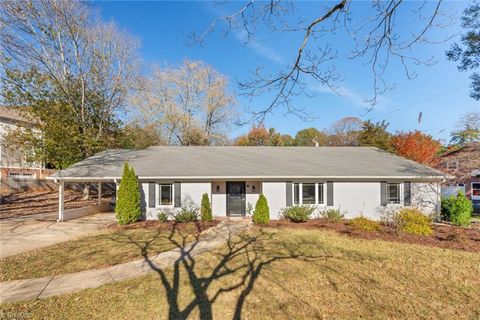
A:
165, 226
444, 235
34, 202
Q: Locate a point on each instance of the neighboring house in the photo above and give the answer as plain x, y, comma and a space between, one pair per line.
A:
464, 165
15, 171
356, 180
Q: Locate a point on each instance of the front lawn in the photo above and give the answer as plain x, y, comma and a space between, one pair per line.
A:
270, 273
108, 247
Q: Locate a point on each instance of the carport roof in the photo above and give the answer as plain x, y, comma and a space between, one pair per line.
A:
212, 162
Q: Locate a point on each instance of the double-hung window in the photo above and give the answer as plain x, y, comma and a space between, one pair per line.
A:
308, 193
393, 193
165, 194
476, 190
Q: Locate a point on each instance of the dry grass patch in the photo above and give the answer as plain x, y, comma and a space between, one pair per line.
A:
108, 247
288, 274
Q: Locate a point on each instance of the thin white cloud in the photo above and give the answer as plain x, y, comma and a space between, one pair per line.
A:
241, 36
259, 48
353, 97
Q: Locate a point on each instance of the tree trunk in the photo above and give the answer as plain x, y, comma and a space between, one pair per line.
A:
86, 191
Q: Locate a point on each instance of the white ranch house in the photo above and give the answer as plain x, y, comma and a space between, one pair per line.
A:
357, 180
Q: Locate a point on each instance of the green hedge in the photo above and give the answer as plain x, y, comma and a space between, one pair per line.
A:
127, 208
457, 209
298, 213
261, 215
332, 214
186, 214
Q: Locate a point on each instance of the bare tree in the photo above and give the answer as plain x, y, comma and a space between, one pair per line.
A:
189, 105
59, 53
345, 131
377, 38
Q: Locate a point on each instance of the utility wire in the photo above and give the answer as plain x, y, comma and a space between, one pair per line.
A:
419, 102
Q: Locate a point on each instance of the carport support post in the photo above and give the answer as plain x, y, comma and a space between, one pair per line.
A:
61, 200
99, 187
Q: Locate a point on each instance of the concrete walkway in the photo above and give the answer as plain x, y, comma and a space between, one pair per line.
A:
27, 233
20, 290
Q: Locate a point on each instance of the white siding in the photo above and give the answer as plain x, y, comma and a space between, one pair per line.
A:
219, 199
356, 198
191, 196
192, 192
353, 198
11, 157
150, 213
253, 190
426, 196
144, 197
275, 192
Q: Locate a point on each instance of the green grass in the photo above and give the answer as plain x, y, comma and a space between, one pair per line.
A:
288, 274
105, 248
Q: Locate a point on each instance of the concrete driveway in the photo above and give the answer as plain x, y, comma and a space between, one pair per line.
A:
27, 233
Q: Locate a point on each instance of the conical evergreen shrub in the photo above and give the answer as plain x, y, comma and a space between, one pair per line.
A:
127, 208
206, 209
261, 214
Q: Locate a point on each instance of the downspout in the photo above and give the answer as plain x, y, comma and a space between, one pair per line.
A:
439, 199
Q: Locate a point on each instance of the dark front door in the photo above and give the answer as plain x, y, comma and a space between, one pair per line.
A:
235, 198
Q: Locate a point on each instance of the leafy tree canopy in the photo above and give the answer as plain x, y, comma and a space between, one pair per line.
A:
467, 53
376, 135
416, 146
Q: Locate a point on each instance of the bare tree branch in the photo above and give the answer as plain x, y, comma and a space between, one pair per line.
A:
376, 38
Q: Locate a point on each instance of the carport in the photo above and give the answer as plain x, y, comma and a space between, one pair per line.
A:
65, 215
105, 167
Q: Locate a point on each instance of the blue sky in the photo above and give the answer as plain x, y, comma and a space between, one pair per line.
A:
440, 92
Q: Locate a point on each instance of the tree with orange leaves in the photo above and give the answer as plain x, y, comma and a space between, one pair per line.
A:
260, 136
416, 146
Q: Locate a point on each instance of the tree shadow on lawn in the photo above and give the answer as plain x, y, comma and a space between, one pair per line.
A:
245, 256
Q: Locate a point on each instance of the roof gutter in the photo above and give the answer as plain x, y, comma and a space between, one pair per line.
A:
371, 178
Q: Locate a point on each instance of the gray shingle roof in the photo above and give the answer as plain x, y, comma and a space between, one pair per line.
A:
243, 162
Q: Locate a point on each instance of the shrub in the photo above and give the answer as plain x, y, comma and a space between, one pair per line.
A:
457, 209
412, 220
162, 217
186, 214
206, 209
298, 213
261, 214
389, 216
332, 214
127, 208
362, 223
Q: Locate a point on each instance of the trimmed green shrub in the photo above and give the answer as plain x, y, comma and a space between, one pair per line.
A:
261, 214
127, 208
162, 217
362, 223
186, 214
206, 209
332, 214
457, 209
412, 220
298, 213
